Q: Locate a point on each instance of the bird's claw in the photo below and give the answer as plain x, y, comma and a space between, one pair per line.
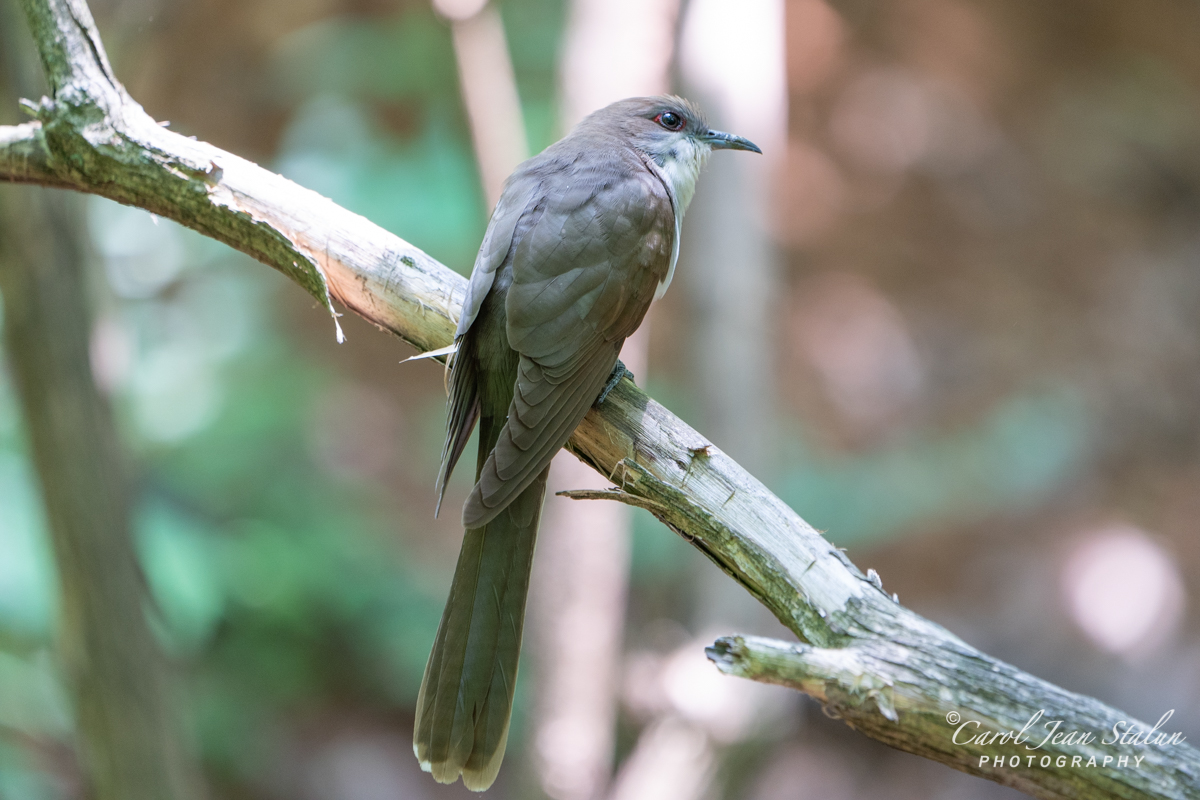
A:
618, 372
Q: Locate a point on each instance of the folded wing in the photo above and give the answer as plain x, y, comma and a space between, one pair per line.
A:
584, 270
514, 206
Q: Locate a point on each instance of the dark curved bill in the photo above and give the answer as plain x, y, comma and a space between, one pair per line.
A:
719, 140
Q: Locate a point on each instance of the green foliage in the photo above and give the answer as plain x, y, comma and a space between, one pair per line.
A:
407, 58
378, 128
424, 188
27, 584
1011, 460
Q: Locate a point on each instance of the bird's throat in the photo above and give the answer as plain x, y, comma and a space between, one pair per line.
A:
681, 164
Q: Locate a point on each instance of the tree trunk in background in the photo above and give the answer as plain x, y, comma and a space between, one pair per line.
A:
733, 65
129, 744
489, 91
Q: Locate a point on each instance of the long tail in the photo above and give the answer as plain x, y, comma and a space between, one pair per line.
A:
466, 696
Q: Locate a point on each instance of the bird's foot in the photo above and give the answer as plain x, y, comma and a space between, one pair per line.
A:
618, 372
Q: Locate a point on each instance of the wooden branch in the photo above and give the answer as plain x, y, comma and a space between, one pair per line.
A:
25, 157
942, 703
885, 670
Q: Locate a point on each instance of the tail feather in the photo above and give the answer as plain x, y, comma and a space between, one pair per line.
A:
464, 412
465, 703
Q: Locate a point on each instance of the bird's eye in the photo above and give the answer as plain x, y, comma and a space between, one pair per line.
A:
670, 120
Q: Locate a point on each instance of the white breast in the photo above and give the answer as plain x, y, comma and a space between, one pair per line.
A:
679, 169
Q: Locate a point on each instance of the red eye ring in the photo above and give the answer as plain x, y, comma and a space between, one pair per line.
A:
671, 121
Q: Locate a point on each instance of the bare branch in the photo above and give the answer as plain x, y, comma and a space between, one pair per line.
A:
72, 55
887, 671
941, 704
23, 156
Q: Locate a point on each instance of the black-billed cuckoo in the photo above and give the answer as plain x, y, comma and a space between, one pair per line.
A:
584, 237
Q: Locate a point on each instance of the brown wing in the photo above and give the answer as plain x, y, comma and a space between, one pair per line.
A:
584, 274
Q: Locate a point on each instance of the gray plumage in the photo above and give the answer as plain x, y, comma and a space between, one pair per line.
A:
583, 238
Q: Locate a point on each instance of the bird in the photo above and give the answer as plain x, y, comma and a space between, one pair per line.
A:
584, 237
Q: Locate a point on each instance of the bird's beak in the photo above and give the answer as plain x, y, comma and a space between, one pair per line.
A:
718, 140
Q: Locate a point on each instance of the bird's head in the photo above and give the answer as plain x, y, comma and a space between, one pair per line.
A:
672, 132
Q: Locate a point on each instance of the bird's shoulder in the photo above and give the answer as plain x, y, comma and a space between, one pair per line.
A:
585, 204
595, 202
584, 170
520, 189
589, 257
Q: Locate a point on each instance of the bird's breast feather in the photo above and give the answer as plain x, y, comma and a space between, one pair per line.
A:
587, 269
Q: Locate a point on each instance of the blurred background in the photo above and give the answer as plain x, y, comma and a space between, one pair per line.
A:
952, 317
